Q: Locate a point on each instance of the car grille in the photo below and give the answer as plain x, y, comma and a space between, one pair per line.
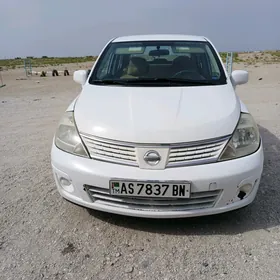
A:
181, 154
195, 154
110, 151
197, 200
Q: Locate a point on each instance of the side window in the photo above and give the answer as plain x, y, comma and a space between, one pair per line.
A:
213, 63
203, 65
118, 64
104, 67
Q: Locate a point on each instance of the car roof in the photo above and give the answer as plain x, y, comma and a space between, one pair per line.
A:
160, 37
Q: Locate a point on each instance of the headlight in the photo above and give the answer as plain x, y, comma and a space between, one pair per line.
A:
245, 139
67, 137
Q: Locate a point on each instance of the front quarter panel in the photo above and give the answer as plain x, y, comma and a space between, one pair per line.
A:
72, 105
243, 107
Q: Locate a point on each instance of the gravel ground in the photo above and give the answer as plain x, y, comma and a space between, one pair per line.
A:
42, 236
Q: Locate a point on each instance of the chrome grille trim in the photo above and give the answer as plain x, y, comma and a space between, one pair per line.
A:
180, 154
206, 152
197, 200
110, 151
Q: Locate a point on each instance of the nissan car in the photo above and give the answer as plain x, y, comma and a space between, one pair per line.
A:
158, 131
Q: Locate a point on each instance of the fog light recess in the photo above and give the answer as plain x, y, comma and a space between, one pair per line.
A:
244, 190
66, 184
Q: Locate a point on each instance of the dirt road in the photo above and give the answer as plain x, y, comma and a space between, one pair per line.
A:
43, 236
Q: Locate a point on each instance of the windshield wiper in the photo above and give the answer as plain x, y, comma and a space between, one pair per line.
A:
109, 82
173, 81
153, 81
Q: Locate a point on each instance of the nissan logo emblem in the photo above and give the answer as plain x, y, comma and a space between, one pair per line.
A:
152, 157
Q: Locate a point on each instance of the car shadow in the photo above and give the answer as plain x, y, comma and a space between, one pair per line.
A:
263, 213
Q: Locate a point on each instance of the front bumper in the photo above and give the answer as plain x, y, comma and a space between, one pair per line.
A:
223, 179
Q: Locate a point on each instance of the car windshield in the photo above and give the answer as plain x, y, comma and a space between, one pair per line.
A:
158, 63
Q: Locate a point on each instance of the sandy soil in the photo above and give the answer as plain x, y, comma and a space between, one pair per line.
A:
43, 236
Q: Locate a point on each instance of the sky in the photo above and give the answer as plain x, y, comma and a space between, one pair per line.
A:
83, 27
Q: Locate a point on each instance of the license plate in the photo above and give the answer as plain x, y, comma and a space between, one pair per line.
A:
150, 189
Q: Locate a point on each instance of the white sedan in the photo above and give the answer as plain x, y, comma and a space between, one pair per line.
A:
158, 131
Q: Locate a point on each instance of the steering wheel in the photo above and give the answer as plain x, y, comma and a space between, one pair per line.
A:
189, 73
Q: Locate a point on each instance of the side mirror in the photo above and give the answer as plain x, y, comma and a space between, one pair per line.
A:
80, 76
239, 77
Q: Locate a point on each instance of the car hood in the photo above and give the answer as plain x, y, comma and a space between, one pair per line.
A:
157, 114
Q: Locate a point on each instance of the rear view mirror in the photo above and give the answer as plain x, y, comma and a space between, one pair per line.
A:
239, 77
80, 76
158, 52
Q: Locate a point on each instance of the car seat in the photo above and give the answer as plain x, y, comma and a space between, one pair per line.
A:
137, 67
182, 63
